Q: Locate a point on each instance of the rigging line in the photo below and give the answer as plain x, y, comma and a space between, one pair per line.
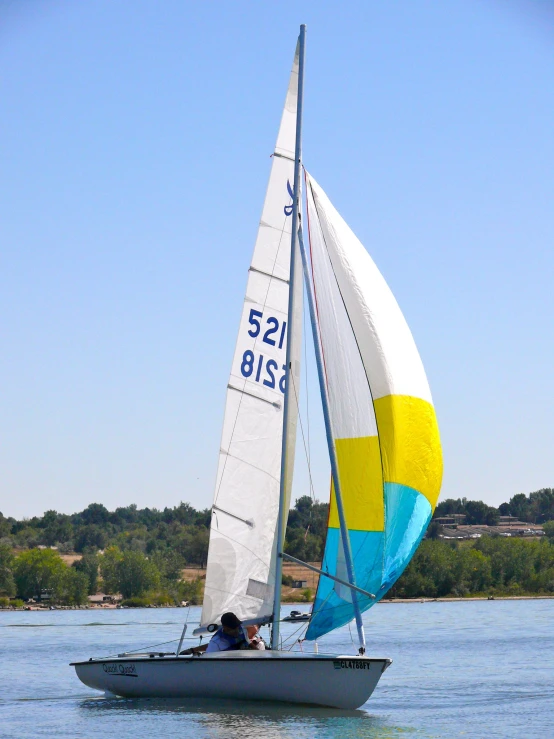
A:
216, 495
139, 650
363, 365
294, 633
303, 439
306, 380
143, 649
314, 613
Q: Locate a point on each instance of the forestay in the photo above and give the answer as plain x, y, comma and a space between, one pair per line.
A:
241, 560
384, 425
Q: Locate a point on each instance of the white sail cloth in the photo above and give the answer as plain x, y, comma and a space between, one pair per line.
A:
241, 560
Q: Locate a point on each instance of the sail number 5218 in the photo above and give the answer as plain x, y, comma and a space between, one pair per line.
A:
256, 367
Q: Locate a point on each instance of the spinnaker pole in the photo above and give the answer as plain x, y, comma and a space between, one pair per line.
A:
286, 404
348, 560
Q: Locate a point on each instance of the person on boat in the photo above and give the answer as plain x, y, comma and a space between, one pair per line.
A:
232, 635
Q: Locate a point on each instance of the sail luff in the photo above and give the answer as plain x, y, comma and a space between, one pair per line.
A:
318, 349
285, 447
242, 555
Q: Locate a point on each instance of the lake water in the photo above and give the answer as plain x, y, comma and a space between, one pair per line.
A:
476, 670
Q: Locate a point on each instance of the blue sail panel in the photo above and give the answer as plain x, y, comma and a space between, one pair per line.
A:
380, 557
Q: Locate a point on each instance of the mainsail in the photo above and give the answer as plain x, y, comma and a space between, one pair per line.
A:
242, 554
384, 425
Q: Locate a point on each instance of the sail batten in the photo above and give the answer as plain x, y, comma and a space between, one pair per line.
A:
386, 435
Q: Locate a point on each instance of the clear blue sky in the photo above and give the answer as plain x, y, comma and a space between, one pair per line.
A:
134, 145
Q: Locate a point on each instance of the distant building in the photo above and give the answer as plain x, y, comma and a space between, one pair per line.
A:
101, 598
453, 519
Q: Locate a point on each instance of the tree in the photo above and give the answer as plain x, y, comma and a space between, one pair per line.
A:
472, 571
109, 563
478, 512
303, 545
88, 564
92, 536
170, 565
7, 582
71, 587
136, 574
198, 550
434, 530
5, 526
191, 591
37, 570
95, 513
537, 507
549, 530
449, 506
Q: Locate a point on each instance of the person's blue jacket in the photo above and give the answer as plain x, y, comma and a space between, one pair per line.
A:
222, 642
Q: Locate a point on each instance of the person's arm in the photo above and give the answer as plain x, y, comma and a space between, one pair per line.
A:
253, 637
214, 645
195, 650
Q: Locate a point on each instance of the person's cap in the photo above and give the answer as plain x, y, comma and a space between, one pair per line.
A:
230, 620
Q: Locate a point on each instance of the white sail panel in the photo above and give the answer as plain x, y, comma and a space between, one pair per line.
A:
392, 362
241, 561
350, 401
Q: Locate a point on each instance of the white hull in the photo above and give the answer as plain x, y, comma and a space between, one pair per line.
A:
339, 681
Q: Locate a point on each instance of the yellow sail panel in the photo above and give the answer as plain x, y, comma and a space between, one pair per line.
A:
410, 444
361, 484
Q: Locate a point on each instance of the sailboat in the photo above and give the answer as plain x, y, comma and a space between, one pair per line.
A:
382, 439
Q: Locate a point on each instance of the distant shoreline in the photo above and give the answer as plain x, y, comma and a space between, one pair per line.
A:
463, 600
301, 603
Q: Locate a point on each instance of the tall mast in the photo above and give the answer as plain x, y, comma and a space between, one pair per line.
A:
331, 446
284, 450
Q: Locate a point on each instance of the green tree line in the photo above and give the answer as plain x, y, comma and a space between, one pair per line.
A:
185, 531
182, 530
140, 553
489, 566
140, 579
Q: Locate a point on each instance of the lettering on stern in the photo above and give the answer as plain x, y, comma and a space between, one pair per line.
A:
351, 664
118, 668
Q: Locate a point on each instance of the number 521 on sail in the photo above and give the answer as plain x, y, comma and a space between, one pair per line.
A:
256, 366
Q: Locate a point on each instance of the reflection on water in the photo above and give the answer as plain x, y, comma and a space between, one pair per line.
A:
221, 719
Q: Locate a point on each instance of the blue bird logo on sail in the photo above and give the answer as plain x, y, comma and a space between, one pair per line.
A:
289, 208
